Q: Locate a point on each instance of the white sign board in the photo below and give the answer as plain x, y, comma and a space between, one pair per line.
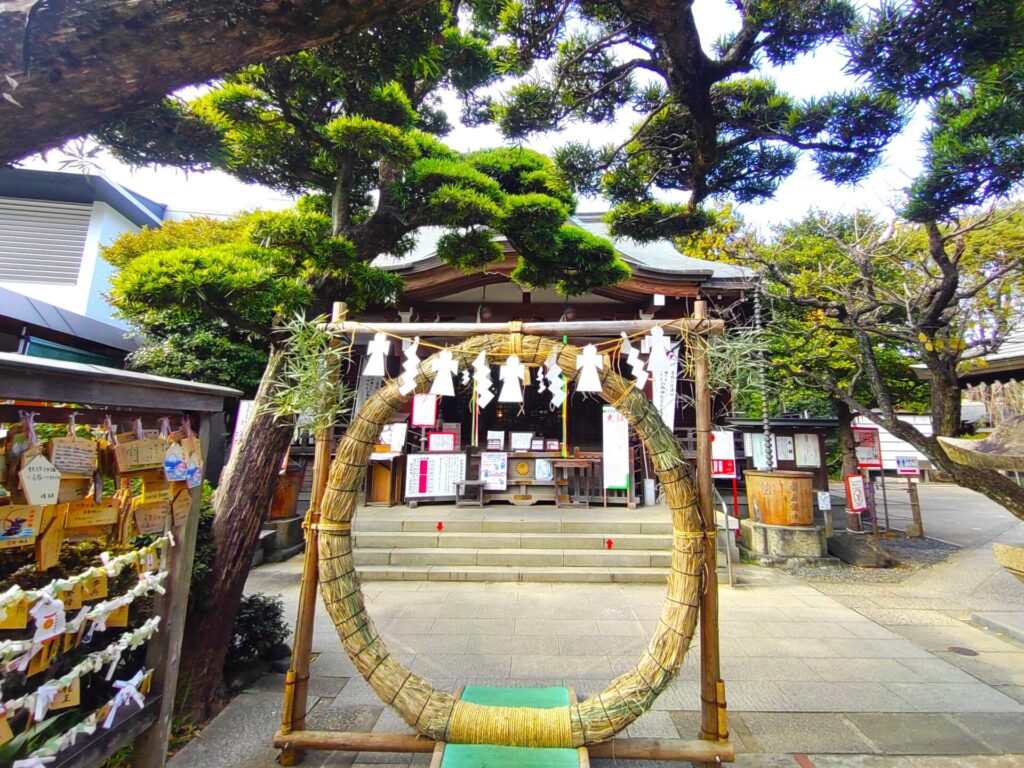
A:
424, 410
723, 455
755, 446
808, 453
433, 474
494, 471
784, 450
663, 390
520, 441
906, 466
241, 420
615, 453
40, 481
393, 435
856, 495
824, 501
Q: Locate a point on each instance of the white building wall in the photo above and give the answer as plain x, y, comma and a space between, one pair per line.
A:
85, 296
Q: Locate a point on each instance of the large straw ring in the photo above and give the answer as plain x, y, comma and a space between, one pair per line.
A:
437, 714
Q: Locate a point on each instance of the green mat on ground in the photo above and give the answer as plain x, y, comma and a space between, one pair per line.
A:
489, 756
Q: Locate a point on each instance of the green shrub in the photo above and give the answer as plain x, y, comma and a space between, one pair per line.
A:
260, 626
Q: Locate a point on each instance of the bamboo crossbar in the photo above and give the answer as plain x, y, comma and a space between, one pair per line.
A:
695, 750
566, 328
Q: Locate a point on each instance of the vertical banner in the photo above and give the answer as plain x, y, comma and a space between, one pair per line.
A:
663, 390
615, 455
366, 387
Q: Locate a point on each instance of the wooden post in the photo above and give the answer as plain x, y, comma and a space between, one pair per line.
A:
713, 725
296, 684
163, 655
916, 529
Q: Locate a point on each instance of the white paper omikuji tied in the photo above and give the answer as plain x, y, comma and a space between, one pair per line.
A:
376, 351
482, 381
444, 366
512, 374
588, 364
658, 360
407, 381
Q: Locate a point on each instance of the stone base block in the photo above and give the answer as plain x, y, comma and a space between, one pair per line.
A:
783, 544
287, 530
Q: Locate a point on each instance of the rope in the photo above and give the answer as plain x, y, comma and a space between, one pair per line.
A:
526, 726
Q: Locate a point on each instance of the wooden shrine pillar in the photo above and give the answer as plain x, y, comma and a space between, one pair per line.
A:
296, 685
713, 720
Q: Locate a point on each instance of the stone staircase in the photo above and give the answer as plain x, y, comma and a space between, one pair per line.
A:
508, 543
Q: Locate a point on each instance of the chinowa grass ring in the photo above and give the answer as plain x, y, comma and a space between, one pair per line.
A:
437, 714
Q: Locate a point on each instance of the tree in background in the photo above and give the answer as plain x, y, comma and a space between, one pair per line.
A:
355, 128
709, 125
857, 300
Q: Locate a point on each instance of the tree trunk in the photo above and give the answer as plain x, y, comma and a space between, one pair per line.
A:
945, 396
242, 498
80, 65
1001, 489
847, 446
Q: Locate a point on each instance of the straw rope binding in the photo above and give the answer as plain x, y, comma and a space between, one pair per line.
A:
436, 714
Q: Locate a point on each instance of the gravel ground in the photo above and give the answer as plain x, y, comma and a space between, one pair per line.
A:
913, 554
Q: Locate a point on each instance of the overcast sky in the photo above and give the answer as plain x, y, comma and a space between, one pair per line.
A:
218, 193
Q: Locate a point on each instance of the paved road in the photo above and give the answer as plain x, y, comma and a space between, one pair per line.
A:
817, 675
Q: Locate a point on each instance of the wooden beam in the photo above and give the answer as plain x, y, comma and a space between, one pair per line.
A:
568, 328
625, 749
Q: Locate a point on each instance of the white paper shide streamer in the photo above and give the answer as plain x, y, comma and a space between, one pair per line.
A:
512, 373
482, 381
376, 351
445, 366
556, 382
636, 364
587, 365
410, 366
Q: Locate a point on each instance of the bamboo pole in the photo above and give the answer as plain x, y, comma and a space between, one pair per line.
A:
713, 725
619, 748
296, 685
574, 328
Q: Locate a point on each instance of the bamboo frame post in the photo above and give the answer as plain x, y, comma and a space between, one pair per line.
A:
296, 686
713, 725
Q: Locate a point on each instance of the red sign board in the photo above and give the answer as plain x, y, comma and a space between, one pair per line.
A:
869, 447
856, 495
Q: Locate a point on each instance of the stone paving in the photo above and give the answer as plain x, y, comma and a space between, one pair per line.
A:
812, 679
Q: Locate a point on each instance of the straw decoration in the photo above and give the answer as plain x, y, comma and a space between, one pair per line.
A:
437, 714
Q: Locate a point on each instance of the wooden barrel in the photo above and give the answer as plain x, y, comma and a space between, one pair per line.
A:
781, 497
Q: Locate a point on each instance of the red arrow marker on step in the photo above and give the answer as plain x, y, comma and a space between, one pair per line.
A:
440, 526
609, 543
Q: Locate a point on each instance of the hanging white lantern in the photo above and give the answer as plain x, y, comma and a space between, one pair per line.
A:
482, 381
660, 345
410, 366
376, 351
587, 365
636, 364
445, 366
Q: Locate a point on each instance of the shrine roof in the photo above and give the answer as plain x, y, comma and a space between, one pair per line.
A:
660, 257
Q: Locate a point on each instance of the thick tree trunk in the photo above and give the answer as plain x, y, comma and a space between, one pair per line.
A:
80, 65
242, 498
847, 446
989, 483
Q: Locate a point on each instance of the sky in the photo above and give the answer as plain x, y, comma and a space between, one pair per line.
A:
219, 194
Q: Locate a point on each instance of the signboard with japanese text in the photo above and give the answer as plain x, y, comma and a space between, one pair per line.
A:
856, 494
494, 471
868, 447
615, 454
433, 474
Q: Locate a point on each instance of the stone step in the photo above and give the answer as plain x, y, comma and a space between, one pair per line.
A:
513, 573
514, 557
600, 522
478, 540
